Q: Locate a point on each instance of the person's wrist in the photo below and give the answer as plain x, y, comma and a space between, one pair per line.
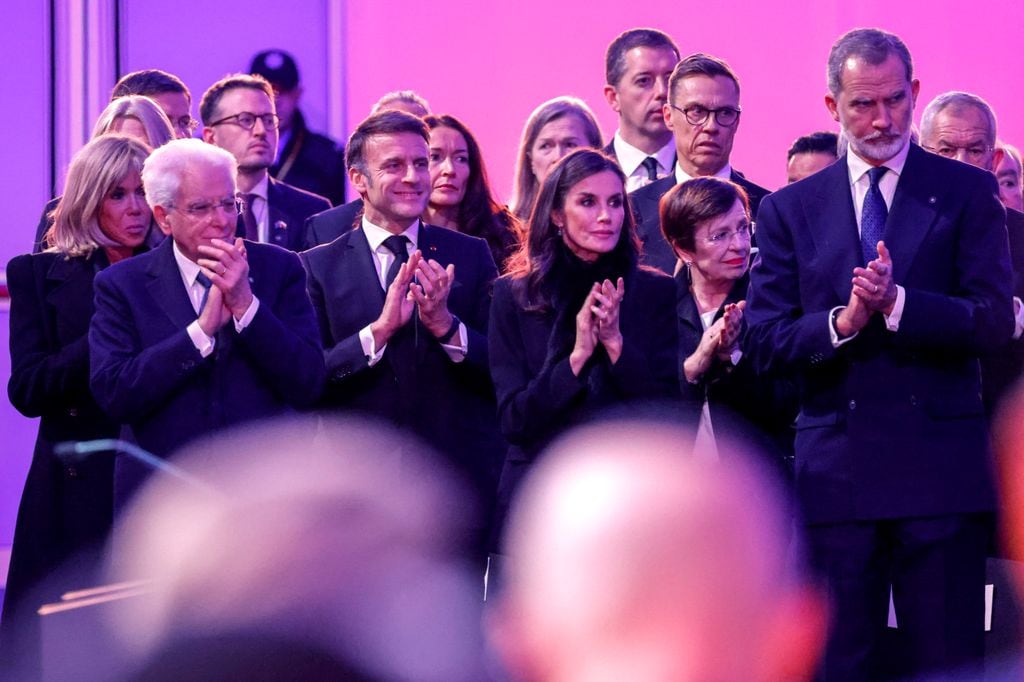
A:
840, 324
449, 331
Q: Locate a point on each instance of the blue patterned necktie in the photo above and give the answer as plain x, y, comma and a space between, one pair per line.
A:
873, 215
205, 283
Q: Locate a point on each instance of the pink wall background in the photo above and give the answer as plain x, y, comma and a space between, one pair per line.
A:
492, 64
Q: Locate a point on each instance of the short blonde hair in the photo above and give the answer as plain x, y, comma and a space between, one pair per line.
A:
94, 171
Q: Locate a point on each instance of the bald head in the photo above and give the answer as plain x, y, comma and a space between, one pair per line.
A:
630, 559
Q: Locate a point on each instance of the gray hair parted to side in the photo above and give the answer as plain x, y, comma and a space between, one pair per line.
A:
957, 100
873, 45
163, 170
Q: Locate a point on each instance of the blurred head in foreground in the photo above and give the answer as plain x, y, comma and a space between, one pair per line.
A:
1008, 437
333, 548
630, 559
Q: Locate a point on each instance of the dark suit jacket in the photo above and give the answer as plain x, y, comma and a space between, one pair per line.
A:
312, 162
891, 425
656, 251
1001, 369
325, 227
415, 384
744, 406
65, 509
289, 208
145, 370
538, 395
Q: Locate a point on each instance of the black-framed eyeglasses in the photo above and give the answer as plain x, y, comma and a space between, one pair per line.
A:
206, 208
247, 120
697, 115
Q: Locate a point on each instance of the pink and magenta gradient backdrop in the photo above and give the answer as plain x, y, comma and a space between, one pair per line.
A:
492, 63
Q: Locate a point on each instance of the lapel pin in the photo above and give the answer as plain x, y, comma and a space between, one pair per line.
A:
280, 225
931, 200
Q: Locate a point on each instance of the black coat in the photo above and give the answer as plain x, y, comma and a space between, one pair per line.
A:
756, 410
312, 162
538, 395
65, 510
289, 208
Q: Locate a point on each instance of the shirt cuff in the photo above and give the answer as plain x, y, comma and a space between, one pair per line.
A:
250, 312
1018, 318
457, 351
373, 354
735, 357
203, 343
832, 333
892, 320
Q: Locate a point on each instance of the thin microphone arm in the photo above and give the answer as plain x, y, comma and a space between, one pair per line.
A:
76, 451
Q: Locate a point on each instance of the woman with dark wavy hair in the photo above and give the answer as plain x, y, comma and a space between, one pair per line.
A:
460, 195
577, 327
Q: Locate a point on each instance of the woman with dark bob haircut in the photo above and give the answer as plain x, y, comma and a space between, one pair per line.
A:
66, 508
707, 222
577, 327
460, 195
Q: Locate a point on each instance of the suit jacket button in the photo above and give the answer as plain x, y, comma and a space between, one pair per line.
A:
913, 400
73, 412
72, 472
853, 404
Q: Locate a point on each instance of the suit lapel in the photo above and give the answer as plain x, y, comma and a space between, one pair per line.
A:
166, 287
72, 292
280, 230
833, 228
913, 211
360, 261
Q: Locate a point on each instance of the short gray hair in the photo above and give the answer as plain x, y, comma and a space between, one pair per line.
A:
957, 100
409, 96
163, 170
873, 45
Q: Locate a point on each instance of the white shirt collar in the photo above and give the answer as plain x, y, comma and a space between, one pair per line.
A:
376, 235
630, 157
186, 267
725, 173
859, 167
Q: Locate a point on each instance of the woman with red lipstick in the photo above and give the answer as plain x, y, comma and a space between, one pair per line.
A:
460, 195
577, 328
66, 509
706, 220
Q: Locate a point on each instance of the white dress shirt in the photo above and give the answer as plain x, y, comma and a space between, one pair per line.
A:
631, 161
260, 209
456, 348
188, 271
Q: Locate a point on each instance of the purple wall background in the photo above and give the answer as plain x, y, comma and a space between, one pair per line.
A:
490, 65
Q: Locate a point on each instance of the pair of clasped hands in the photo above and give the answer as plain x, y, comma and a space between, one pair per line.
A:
873, 291
422, 284
597, 323
226, 265
721, 340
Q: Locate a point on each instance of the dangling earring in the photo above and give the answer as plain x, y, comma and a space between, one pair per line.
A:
689, 275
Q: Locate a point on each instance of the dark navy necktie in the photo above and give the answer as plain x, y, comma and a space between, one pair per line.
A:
249, 228
396, 244
205, 283
651, 164
872, 216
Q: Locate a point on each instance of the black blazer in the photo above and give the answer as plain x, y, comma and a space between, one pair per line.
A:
65, 509
656, 251
312, 162
1000, 370
891, 424
144, 369
538, 395
289, 208
326, 226
415, 385
745, 407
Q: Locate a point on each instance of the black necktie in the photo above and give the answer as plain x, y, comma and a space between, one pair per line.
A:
872, 216
396, 244
651, 164
205, 283
248, 227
